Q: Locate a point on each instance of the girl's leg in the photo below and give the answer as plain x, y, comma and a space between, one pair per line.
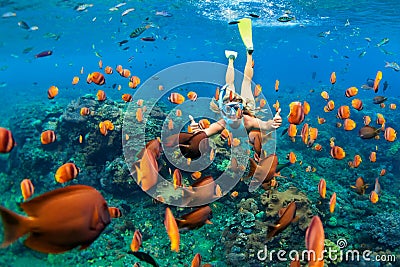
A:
230, 71
246, 92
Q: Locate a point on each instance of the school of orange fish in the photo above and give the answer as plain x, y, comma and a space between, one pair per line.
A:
94, 214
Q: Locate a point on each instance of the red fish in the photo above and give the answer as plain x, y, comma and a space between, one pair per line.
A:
59, 220
315, 238
66, 172
136, 241
296, 115
114, 212
284, 221
7, 142
332, 203
48, 137
172, 229
322, 187
52, 92
27, 188
195, 219
96, 77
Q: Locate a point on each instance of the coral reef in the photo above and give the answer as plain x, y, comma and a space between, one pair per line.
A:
384, 228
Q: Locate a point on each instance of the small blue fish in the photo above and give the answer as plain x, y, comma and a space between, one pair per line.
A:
163, 13
383, 42
392, 65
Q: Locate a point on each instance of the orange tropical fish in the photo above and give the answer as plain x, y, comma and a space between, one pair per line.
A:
136, 241
27, 189
119, 69
84, 111
343, 112
52, 92
321, 120
337, 152
372, 156
101, 95
349, 124
276, 85
134, 81
304, 133
103, 128
212, 154
216, 96
176, 98
114, 212
382, 105
80, 139
373, 197
204, 123
127, 97
332, 203
392, 106
177, 178
367, 120
313, 133
139, 115
172, 229
382, 172
380, 119
108, 70
360, 186
7, 142
263, 102
292, 157
357, 104
306, 107
325, 95
333, 78
196, 262
96, 77
317, 147
315, 241
350, 92
77, 225
234, 194
257, 90
276, 105
322, 187
48, 137
192, 96
125, 73
224, 134
178, 112
75, 80
140, 102
292, 131
329, 106
109, 125
377, 80
296, 114
66, 172
235, 142
196, 175
390, 134
100, 64
170, 124
356, 161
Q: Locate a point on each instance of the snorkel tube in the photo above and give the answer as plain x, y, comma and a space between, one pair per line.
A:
222, 94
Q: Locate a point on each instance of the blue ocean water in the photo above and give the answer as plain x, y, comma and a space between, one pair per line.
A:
326, 36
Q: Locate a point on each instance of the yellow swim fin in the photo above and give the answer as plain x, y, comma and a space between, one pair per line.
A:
245, 31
